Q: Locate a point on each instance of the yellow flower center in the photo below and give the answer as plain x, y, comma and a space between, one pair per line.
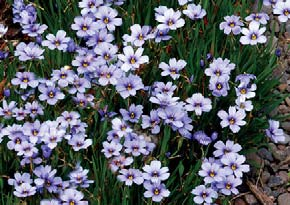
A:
107, 57
123, 128
228, 186
286, 12
132, 60
91, 4
18, 141
84, 27
25, 80
56, 43
218, 73
170, 22
173, 71
129, 86
51, 94
232, 24
35, 132
85, 64
204, 195
63, 76
211, 174
232, 121
130, 177
108, 75
106, 20
219, 86
234, 167
132, 115
140, 37
253, 36
72, 203
242, 106
156, 191
243, 91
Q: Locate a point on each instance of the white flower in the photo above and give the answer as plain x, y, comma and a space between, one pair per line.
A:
253, 35
283, 10
3, 30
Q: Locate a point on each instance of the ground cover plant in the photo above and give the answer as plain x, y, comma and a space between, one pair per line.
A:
135, 102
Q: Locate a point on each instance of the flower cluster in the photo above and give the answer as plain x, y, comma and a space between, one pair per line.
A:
221, 174
251, 35
123, 146
103, 66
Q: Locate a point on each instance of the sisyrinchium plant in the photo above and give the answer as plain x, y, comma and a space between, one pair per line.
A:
135, 102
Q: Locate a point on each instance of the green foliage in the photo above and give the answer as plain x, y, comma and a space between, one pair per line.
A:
191, 43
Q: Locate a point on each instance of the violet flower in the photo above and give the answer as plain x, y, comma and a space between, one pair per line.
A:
194, 12
151, 122
109, 75
29, 51
78, 142
154, 172
33, 109
107, 18
130, 176
162, 35
127, 86
133, 114
274, 133
232, 24
138, 35
156, 191
234, 119
132, 59
198, 104
229, 184
106, 52
211, 172
226, 148
283, 10
170, 19
59, 41
25, 79
253, 35
85, 63
34, 30
220, 68
173, 68
24, 190
79, 177
72, 196
6, 109
111, 149
261, 18
234, 164
85, 26
204, 194
50, 94
64, 76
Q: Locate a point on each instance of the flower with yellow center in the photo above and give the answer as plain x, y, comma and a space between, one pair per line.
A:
232, 121
219, 86
25, 80
156, 191
132, 60
253, 36
51, 94
129, 86
84, 27
106, 20
228, 186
